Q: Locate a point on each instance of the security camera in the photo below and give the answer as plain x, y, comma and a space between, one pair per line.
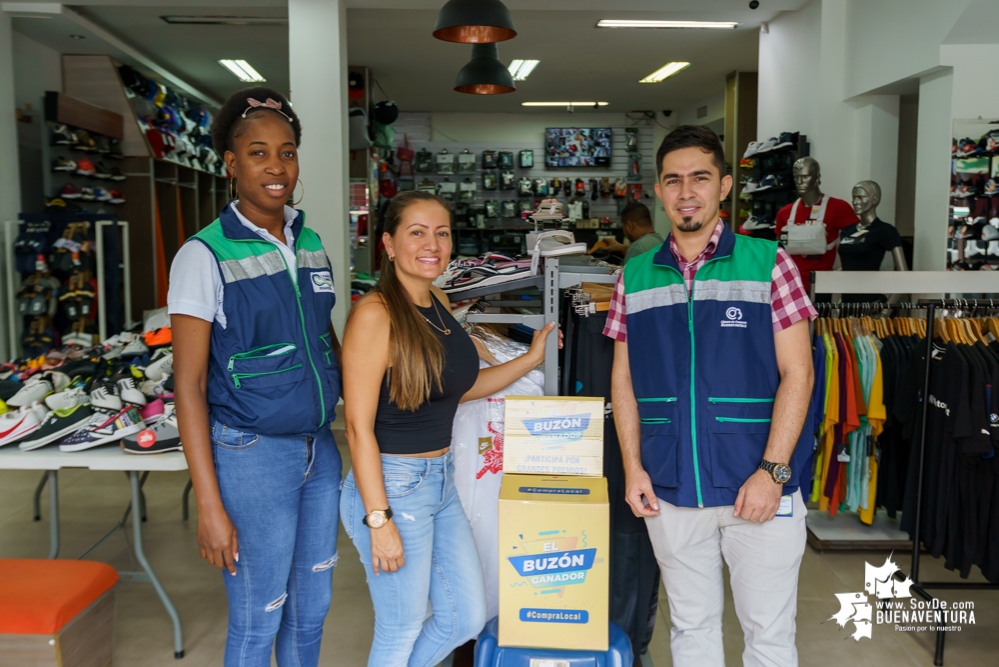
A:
667, 112
754, 4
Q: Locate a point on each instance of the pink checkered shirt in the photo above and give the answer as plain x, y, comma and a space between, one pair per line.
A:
789, 301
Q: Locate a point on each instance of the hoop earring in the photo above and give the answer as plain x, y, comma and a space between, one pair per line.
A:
233, 192
295, 204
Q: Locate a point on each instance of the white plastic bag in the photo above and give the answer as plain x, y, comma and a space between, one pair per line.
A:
477, 444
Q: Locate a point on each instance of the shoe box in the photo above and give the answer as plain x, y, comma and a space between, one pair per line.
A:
554, 525
554, 562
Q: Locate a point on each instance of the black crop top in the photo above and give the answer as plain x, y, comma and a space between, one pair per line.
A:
428, 428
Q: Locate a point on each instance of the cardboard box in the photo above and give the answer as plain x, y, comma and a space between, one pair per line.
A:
550, 435
554, 570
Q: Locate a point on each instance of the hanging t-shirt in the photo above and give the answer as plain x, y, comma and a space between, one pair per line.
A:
864, 249
839, 215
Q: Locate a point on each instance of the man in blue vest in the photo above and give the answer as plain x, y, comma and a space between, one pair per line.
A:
711, 411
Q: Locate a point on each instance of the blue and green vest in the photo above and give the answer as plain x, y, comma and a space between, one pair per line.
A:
704, 370
271, 370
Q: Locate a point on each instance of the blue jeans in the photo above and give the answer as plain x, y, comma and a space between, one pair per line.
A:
442, 565
281, 493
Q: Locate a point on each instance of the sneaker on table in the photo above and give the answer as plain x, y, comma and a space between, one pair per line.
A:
153, 389
104, 427
105, 398
57, 425
162, 436
36, 388
70, 398
130, 393
153, 411
136, 348
161, 367
25, 421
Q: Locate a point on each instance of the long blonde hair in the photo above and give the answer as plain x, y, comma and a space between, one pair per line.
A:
415, 353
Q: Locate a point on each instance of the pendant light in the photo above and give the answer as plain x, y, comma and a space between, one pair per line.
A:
474, 22
484, 74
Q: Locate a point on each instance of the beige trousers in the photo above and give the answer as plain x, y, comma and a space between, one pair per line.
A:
763, 561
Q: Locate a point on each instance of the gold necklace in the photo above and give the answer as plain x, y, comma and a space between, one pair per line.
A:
446, 331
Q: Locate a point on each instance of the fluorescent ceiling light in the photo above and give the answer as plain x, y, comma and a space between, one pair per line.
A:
520, 69
564, 104
243, 70
612, 23
665, 72
226, 20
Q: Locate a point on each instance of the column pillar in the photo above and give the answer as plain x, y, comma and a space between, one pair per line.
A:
876, 149
317, 49
10, 184
932, 172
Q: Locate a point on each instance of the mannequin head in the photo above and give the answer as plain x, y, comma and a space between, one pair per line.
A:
636, 221
866, 197
807, 176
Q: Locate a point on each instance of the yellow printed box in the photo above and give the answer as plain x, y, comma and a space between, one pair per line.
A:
549, 435
554, 570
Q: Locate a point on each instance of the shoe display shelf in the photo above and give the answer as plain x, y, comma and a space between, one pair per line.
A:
972, 239
121, 274
504, 233
557, 274
773, 170
166, 201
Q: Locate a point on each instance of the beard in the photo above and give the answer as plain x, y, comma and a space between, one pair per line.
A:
689, 224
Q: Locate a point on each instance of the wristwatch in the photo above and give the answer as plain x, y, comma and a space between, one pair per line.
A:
781, 472
377, 518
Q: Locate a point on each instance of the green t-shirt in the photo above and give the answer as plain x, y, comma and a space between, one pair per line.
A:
642, 245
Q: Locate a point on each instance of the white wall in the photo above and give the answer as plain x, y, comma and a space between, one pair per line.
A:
789, 72
971, 98
892, 40
715, 105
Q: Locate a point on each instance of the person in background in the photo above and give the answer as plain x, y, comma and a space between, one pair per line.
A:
407, 364
257, 383
711, 385
636, 223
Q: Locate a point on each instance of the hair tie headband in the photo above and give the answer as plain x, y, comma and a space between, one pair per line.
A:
268, 104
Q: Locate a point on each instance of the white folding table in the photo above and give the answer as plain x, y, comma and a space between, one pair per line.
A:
51, 460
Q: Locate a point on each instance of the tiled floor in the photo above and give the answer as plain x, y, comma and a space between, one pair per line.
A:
92, 502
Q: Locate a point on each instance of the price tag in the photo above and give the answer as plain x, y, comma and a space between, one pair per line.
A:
786, 506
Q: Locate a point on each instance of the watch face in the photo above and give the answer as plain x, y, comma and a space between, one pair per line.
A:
376, 519
782, 473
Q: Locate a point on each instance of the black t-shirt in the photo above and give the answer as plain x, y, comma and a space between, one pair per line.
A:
864, 250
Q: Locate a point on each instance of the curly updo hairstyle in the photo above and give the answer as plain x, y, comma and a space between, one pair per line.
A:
229, 121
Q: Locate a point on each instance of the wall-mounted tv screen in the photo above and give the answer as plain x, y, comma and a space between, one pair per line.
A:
577, 147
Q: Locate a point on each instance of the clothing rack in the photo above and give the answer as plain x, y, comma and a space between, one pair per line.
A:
558, 274
920, 587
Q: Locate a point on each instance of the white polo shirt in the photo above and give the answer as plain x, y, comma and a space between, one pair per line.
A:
196, 288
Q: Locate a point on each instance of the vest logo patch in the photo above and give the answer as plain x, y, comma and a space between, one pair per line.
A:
734, 316
322, 281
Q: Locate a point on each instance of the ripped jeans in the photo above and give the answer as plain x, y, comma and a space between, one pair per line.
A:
282, 495
442, 565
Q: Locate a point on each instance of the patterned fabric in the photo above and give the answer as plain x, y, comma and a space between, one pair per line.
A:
788, 298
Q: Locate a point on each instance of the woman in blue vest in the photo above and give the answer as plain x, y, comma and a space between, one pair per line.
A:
257, 381
407, 364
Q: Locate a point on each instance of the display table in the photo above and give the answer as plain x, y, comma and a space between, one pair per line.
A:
109, 457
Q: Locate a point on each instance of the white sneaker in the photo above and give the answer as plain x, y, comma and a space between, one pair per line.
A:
129, 393
59, 380
154, 389
105, 399
135, 349
160, 368
35, 389
767, 146
553, 243
16, 425
65, 400
752, 149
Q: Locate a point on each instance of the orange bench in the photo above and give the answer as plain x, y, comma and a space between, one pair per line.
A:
57, 613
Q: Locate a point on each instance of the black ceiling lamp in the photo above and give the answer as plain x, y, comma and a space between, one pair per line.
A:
484, 74
474, 22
